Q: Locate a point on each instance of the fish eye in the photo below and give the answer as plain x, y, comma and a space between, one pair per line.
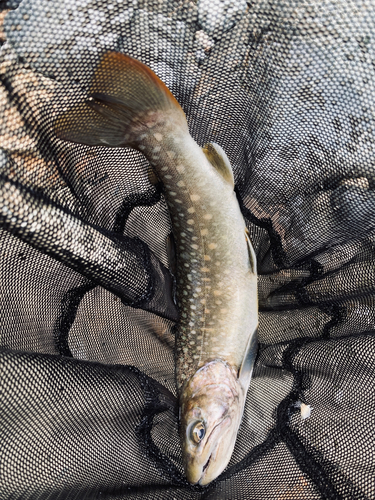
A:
198, 432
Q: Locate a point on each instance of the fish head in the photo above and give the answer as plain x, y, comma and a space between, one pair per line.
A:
211, 408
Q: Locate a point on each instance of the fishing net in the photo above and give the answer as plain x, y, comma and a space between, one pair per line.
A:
88, 397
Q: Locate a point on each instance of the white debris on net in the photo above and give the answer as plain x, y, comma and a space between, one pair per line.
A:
220, 15
305, 409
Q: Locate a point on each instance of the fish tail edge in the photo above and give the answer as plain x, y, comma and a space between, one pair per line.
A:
127, 101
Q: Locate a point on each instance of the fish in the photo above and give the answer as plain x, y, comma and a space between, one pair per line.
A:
215, 262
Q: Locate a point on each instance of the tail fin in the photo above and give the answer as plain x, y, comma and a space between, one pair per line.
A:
126, 100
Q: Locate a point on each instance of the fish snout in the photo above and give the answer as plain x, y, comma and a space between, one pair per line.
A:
205, 461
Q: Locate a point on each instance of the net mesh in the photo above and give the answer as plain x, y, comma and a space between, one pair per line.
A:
88, 398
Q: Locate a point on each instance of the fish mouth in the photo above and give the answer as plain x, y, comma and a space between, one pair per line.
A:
206, 464
204, 471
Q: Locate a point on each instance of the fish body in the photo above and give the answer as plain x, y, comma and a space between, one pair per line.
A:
216, 336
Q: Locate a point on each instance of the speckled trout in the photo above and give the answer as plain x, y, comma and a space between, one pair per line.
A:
216, 336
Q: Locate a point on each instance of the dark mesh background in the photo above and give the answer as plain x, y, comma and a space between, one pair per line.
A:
88, 406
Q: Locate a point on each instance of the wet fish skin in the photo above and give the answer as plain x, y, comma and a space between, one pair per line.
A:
216, 264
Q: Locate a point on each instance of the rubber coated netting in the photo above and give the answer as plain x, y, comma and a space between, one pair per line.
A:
88, 398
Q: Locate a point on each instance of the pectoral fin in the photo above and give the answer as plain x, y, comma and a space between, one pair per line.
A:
247, 366
252, 256
215, 154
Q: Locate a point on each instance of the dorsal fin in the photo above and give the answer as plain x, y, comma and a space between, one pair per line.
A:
215, 154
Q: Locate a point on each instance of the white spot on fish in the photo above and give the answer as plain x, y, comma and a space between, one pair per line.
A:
207, 216
191, 210
204, 232
205, 269
212, 246
164, 169
190, 221
180, 169
172, 193
194, 246
207, 257
156, 149
168, 176
142, 147
171, 154
223, 311
158, 136
195, 197
180, 184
